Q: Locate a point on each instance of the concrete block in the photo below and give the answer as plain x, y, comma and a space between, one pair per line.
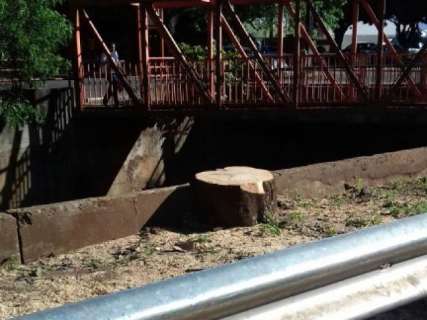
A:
58, 228
9, 246
165, 206
319, 180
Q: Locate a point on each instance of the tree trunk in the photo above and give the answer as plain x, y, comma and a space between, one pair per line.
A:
235, 196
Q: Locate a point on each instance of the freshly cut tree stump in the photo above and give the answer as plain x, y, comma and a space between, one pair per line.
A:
235, 196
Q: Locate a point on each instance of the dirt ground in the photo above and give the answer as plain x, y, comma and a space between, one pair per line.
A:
160, 253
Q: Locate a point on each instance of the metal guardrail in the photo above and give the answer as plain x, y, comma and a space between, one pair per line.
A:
355, 298
260, 281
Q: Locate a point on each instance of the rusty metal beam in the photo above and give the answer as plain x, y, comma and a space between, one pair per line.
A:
244, 55
244, 35
406, 73
372, 16
173, 46
78, 63
162, 41
218, 53
297, 52
107, 52
280, 17
355, 20
139, 45
211, 57
145, 55
380, 51
309, 41
347, 67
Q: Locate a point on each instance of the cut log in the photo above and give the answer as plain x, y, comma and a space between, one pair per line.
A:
235, 196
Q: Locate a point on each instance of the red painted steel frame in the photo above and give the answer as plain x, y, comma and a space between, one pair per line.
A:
144, 55
355, 20
244, 55
279, 82
245, 35
297, 52
106, 50
304, 33
173, 46
373, 18
280, 17
78, 63
380, 53
218, 53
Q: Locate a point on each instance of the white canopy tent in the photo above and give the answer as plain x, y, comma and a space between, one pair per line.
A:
368, 33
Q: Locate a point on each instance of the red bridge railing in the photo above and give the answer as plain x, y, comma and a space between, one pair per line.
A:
323, 82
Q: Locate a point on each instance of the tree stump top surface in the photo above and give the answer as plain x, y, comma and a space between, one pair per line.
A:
249, 179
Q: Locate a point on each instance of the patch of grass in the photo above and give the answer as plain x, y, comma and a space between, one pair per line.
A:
271, 225
203, 238
417, 208
92, 264
11, 264
387, 194
329, 231
295, 217
394, 208
375, 219
398, 184
421, 184
361, 222
305, 203
360, 185
356, 222
337, 200
148, 250
399, 210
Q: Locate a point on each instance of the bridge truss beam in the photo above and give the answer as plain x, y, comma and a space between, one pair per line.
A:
294, 78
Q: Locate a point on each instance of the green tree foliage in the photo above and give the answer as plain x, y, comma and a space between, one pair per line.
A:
261, 19
406, 15
31, 34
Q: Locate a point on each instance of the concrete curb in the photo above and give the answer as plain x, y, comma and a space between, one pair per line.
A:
321, 179
9, 243
57, 228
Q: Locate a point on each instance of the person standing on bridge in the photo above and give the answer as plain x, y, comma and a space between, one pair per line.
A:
113, 80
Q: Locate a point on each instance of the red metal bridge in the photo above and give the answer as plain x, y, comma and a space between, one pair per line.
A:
298, 77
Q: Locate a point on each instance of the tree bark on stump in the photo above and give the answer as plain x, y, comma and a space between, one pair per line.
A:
235, 196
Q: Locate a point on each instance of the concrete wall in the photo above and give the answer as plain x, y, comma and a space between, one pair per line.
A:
323, 179
57, 228
78, 155
29, 155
